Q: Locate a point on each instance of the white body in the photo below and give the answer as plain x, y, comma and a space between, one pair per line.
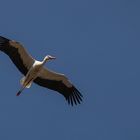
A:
32, 74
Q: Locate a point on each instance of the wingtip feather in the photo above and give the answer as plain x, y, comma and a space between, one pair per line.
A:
74, 97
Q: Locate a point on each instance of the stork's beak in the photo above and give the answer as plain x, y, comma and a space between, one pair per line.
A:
52, 57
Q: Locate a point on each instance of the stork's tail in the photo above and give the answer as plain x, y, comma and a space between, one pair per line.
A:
28, 85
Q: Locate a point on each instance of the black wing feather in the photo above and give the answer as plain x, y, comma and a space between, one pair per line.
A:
13, 54
71, 94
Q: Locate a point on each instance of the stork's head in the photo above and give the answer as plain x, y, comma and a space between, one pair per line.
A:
49, 57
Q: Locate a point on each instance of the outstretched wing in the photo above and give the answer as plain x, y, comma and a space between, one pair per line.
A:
58, 82
17, 54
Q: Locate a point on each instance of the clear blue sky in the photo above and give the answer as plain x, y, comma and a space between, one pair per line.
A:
97, 46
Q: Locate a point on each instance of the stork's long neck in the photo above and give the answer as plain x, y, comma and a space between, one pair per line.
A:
44, 60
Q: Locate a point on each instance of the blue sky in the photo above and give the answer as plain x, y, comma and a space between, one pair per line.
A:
97, 46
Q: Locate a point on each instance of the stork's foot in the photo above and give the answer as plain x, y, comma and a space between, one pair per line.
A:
18, 93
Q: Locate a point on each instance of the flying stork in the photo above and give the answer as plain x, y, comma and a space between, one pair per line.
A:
34, 71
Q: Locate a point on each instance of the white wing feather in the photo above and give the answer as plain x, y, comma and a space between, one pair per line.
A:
51, 75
